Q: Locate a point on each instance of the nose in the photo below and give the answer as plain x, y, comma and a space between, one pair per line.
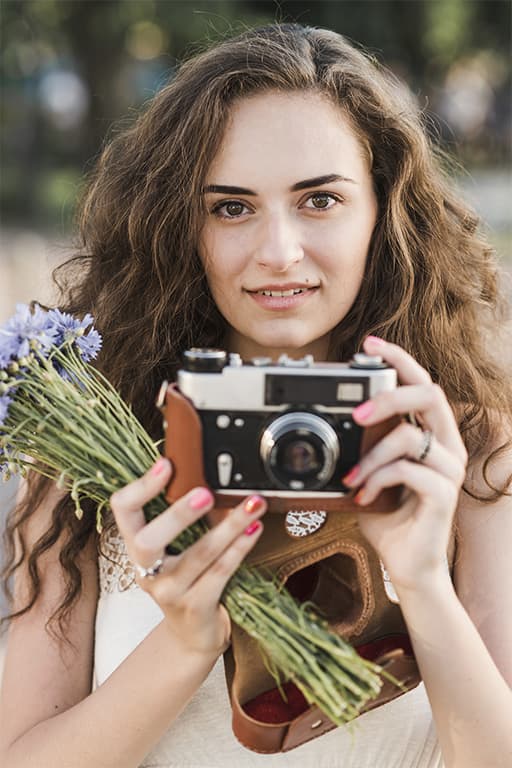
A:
279, 245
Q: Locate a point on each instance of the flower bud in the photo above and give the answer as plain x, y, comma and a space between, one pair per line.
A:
4, 376
13, 367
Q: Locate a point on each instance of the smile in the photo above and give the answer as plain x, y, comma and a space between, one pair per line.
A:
291, 292
281, 300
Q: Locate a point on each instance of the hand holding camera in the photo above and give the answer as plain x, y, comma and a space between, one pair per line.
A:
308, 435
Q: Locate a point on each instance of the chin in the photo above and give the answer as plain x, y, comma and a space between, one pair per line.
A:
289, 343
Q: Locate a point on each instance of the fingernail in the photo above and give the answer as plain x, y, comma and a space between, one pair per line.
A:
375, 340
254, 504
252, 528
200, 498
351, 476
159, 466
359, 497
364, 411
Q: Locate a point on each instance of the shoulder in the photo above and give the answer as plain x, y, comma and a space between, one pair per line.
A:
483, 566
44, 674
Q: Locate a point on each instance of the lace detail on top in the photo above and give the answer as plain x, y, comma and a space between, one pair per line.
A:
116, 570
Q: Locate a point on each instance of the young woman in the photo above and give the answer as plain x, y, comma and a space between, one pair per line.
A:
281, 161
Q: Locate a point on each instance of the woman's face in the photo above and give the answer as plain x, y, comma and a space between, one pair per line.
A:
291, 210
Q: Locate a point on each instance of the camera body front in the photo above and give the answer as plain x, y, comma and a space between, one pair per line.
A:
282, 428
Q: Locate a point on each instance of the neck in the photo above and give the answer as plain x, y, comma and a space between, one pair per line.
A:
247, 348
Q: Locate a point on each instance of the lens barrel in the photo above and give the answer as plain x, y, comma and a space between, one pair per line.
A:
299, 451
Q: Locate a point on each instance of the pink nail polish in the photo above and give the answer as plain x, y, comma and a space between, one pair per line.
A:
252, 528
359, 497
159, 466
364, 411
351, 476
200, 498
254, 504
375, 340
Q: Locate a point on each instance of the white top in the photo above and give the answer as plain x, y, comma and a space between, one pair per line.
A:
400, 734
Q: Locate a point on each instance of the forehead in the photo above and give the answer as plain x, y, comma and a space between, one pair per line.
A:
302, 134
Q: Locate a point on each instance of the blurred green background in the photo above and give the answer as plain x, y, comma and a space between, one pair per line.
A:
71, 68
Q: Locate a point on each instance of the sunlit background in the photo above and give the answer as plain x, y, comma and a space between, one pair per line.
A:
70, 69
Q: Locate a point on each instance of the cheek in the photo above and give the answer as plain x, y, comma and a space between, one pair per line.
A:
222, 255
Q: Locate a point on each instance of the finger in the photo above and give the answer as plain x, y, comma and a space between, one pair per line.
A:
427, 484
408, 369
210, 586
406, 441
127, 502
210, 547
428, 400
149, 542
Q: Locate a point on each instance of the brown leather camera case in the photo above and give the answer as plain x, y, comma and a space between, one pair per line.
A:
334, 567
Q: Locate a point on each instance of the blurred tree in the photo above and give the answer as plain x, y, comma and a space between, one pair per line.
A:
70, 68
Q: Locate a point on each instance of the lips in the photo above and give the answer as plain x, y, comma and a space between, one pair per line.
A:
285, 289
281, 293
279, 298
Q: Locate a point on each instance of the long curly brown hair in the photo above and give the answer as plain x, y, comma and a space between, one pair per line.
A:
431, 281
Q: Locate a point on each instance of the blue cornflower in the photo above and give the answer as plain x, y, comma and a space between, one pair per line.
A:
70, 329
8, 347
89, 345
24, 330
5, 402
67, 326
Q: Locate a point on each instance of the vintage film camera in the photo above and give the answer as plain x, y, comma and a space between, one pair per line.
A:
279, 427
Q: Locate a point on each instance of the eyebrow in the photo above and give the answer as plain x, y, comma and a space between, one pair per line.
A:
318, 181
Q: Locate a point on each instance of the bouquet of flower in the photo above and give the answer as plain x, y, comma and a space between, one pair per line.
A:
60, 416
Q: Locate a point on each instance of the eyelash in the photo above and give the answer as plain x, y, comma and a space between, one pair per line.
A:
223, 204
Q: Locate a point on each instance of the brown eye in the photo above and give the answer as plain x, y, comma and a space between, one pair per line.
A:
234, 209
321, 201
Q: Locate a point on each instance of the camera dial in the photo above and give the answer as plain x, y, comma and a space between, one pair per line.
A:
204, 360
367, 362
261, 362
290, 362
299, 451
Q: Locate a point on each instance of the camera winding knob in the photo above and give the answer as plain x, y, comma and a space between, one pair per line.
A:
367, 362
204, 360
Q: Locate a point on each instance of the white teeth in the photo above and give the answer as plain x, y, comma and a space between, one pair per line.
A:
291, 292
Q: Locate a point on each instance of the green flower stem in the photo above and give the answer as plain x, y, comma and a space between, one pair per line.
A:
82, 434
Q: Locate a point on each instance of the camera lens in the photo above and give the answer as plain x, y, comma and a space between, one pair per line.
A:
299, 456
299, 451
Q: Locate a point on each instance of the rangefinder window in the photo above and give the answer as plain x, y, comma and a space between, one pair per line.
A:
311, 390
